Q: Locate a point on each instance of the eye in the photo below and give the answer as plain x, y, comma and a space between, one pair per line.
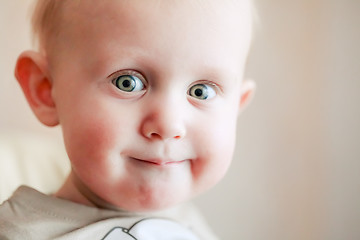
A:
202, 91
128, 83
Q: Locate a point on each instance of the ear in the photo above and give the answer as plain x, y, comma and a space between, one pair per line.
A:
31, 72
247, 93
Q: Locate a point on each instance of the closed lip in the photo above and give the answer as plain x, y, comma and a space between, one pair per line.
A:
158, 161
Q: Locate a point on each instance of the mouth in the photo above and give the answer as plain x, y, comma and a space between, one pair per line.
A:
158, 162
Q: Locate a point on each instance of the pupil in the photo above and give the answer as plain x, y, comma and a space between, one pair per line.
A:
198, 92
126, 83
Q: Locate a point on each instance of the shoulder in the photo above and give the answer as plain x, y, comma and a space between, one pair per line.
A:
23, 202
10, 208
29, 214
13, 215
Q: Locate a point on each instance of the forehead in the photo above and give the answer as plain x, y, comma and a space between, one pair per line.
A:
207, 26
180, 14
210, 13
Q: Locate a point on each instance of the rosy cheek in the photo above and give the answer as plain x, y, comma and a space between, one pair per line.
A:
89, 136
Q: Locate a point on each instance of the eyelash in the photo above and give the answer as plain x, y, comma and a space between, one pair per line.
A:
212, 87
131, 74
211, 90
128, 72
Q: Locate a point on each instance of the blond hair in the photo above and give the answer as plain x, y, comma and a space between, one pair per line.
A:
46, 19
48, 15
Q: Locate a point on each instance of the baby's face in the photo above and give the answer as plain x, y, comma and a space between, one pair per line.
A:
148, 96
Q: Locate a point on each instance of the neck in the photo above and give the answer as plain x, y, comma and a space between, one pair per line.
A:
76, 191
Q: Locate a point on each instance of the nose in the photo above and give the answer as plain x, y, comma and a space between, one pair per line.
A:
163, 122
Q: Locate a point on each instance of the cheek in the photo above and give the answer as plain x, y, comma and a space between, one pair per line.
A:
87, 144
92, 136
87, 139
215, 145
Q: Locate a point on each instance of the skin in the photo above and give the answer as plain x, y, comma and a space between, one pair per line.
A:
157, 146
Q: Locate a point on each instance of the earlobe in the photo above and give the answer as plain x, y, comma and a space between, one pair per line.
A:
31, 72
247, 93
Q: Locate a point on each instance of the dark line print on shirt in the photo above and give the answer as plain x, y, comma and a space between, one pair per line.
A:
127, 235
124, 230
151, 227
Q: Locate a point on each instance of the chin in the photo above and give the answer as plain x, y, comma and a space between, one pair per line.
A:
155, 202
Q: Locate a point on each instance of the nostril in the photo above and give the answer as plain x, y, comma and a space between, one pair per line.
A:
154, 135
158, 136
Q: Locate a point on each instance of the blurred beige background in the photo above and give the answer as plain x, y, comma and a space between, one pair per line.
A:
296, 172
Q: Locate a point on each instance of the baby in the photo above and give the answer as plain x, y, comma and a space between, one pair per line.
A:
147, 93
